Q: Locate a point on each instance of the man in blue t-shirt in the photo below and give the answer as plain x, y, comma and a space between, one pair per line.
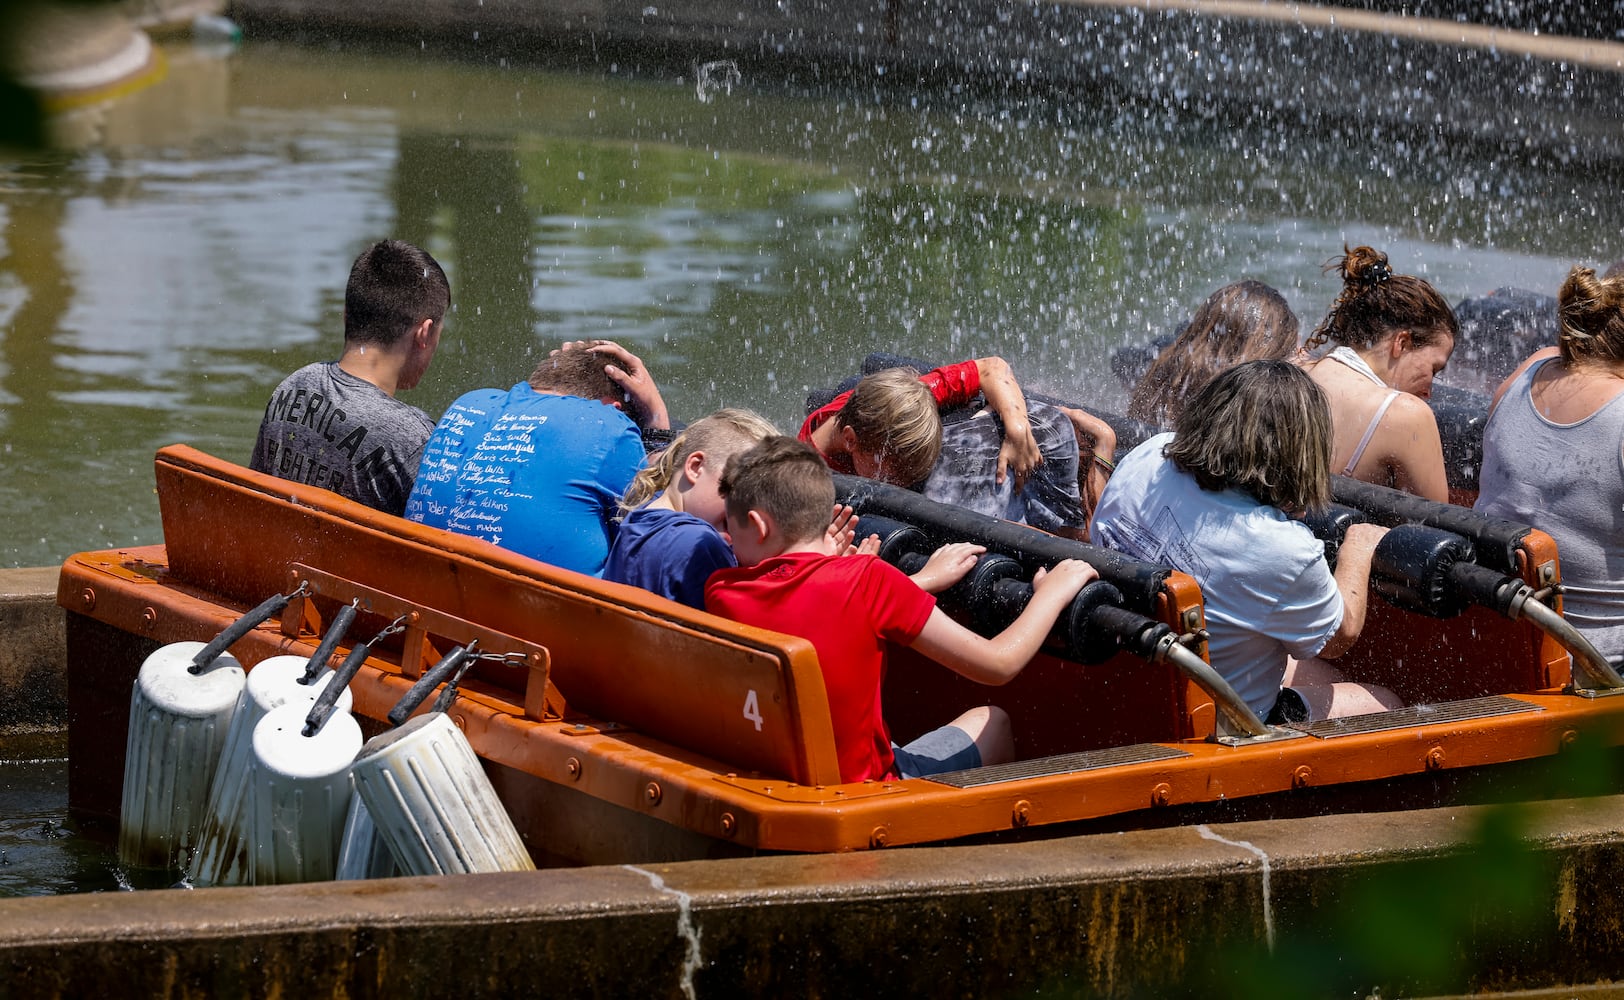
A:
539, 468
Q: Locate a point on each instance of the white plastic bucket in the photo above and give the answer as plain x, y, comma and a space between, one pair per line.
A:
363, 853
433, 804
178, 723
221, 857
299, 788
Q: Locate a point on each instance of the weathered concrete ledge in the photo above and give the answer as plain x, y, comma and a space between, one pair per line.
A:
33, 658
1173, 912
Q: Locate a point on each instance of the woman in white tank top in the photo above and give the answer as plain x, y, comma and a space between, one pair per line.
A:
1393, 333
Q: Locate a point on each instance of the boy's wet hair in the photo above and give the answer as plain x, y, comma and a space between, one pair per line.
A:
894, 417
393, 287
1262, 427
784, 479
576, 371
720, 436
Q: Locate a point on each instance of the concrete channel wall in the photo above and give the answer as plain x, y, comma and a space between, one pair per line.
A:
1308, 65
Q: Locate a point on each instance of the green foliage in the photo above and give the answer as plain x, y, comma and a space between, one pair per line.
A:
1447, 923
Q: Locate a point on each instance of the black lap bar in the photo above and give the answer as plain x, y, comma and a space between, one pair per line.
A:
1330, 525
1413, 568
1494, 541
1140, 583
992, 595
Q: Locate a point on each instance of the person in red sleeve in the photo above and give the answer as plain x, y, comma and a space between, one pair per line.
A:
889, 427
791, 578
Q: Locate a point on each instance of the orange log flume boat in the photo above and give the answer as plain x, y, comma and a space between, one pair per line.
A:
618, 726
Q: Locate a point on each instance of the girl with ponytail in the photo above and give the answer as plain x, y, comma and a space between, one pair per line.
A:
1393, 333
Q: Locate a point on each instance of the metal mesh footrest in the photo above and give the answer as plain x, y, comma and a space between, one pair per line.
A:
1417, 715
1066, 763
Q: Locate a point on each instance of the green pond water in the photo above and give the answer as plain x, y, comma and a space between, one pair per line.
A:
751, 242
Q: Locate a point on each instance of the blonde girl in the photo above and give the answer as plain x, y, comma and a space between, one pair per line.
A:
670, 538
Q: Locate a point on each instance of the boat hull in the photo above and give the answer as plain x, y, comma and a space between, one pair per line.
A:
620, 734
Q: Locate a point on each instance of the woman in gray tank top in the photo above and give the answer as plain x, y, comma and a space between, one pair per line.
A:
1553, 453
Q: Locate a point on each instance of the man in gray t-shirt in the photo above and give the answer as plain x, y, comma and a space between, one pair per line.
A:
337, 424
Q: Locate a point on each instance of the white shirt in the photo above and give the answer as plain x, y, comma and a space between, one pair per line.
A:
1264, 580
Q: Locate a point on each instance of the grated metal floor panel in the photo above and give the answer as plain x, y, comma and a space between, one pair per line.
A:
1417, 715
1066, 763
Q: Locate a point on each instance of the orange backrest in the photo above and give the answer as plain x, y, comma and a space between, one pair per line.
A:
745, 697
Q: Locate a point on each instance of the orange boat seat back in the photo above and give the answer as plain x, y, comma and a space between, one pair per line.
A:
1058, 706
747, 698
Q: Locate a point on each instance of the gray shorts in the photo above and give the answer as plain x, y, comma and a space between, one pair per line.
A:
937, 752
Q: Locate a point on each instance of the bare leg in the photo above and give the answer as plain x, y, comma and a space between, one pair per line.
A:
1330, 695
990, 728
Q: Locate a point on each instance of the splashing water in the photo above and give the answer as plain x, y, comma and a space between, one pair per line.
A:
722, 76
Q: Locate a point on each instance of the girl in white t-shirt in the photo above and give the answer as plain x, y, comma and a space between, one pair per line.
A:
1217, 499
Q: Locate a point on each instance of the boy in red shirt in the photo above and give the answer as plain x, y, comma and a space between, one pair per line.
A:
790, 578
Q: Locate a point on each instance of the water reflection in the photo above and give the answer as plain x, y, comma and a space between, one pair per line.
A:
155, 288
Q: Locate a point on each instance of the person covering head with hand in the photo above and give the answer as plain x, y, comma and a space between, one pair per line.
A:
889, 426
337, 424
792, 578
1218, 499
539, 468
1393, 334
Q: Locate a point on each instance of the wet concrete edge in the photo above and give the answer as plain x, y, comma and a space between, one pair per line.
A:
1143, 913
33, 659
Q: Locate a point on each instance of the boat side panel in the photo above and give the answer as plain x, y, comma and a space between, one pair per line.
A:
739, 694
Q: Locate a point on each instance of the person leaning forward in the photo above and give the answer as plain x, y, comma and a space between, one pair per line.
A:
539, 469
337, 424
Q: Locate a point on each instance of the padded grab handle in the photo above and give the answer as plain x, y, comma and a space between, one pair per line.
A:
236, 630
1412, 569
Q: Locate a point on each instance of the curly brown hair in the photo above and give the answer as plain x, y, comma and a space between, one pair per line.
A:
1375, 303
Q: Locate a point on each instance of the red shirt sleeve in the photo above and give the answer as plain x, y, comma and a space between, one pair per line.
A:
816, 418
899, 609
953, 385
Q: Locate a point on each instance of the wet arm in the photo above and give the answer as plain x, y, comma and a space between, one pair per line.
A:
1020, 451
998, 660
1353, 583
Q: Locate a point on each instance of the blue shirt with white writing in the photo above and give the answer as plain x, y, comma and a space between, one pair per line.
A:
536, 473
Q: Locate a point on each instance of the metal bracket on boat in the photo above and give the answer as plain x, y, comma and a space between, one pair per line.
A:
1592, 675
524, 670
1237, 724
